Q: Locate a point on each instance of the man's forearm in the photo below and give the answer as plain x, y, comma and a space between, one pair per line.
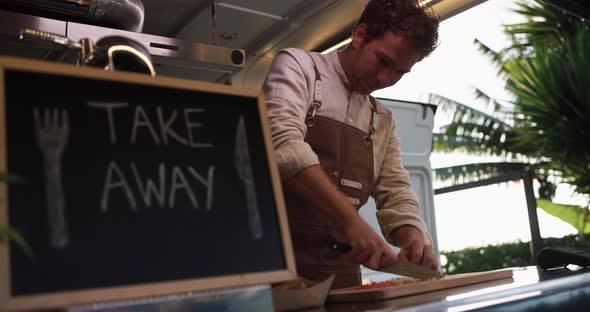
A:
406, 234
313, 185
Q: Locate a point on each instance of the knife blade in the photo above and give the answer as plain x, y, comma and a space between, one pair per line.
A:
244, 170
403, 268
411, 270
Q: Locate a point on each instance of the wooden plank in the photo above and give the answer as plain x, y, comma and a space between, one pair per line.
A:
352, 295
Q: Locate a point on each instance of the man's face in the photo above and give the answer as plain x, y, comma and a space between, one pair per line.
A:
380, 62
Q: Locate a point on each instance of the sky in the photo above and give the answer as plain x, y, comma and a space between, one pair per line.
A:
485, 215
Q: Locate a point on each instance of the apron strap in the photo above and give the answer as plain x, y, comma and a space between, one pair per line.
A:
369, 137
310, 120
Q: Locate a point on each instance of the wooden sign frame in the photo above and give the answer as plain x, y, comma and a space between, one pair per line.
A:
78, 297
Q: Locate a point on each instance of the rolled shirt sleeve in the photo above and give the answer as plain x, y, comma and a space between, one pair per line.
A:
396, 202
286, 92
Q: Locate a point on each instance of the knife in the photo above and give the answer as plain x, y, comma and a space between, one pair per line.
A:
408, 269
244, 170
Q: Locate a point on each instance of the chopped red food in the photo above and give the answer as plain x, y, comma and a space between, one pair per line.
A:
390, 283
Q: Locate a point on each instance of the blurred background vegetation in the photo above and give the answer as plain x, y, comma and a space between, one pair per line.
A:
493, 257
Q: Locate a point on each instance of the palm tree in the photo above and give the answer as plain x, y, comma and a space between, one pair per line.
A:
547, 123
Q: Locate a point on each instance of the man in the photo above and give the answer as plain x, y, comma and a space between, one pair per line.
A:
336, 146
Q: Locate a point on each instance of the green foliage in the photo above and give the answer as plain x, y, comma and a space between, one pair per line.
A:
11, 178
487, 258
470, 130
544, 24
473, 172
14, 236
7, 233
576, 216
547, 69
546, 189
493, 257
552, 110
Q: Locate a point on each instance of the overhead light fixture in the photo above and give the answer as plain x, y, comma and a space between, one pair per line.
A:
348, 40
337, 46
427, 2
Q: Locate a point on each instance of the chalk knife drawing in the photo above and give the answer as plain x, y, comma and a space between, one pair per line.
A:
244, 169
52, 134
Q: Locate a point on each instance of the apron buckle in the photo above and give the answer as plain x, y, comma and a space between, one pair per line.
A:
310, 120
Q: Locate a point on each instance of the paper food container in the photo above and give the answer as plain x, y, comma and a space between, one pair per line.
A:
300, 294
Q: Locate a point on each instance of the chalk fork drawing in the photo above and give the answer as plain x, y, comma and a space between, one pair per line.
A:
52, 131
244, 169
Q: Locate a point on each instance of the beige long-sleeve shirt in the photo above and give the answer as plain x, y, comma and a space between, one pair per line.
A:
288, 91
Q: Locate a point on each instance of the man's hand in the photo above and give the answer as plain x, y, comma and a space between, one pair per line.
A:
413, 248
367, 248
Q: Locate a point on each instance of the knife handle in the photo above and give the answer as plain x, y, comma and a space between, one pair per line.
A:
341, 247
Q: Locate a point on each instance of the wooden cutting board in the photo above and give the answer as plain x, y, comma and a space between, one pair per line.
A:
351, 295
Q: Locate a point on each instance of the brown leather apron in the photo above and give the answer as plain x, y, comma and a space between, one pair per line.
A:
346, 155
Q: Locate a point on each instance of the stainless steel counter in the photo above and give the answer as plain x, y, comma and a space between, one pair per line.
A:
528, 290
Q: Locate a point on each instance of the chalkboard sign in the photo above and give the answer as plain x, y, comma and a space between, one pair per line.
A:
134, 186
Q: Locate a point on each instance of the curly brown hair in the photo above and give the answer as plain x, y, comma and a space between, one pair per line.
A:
402, 17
